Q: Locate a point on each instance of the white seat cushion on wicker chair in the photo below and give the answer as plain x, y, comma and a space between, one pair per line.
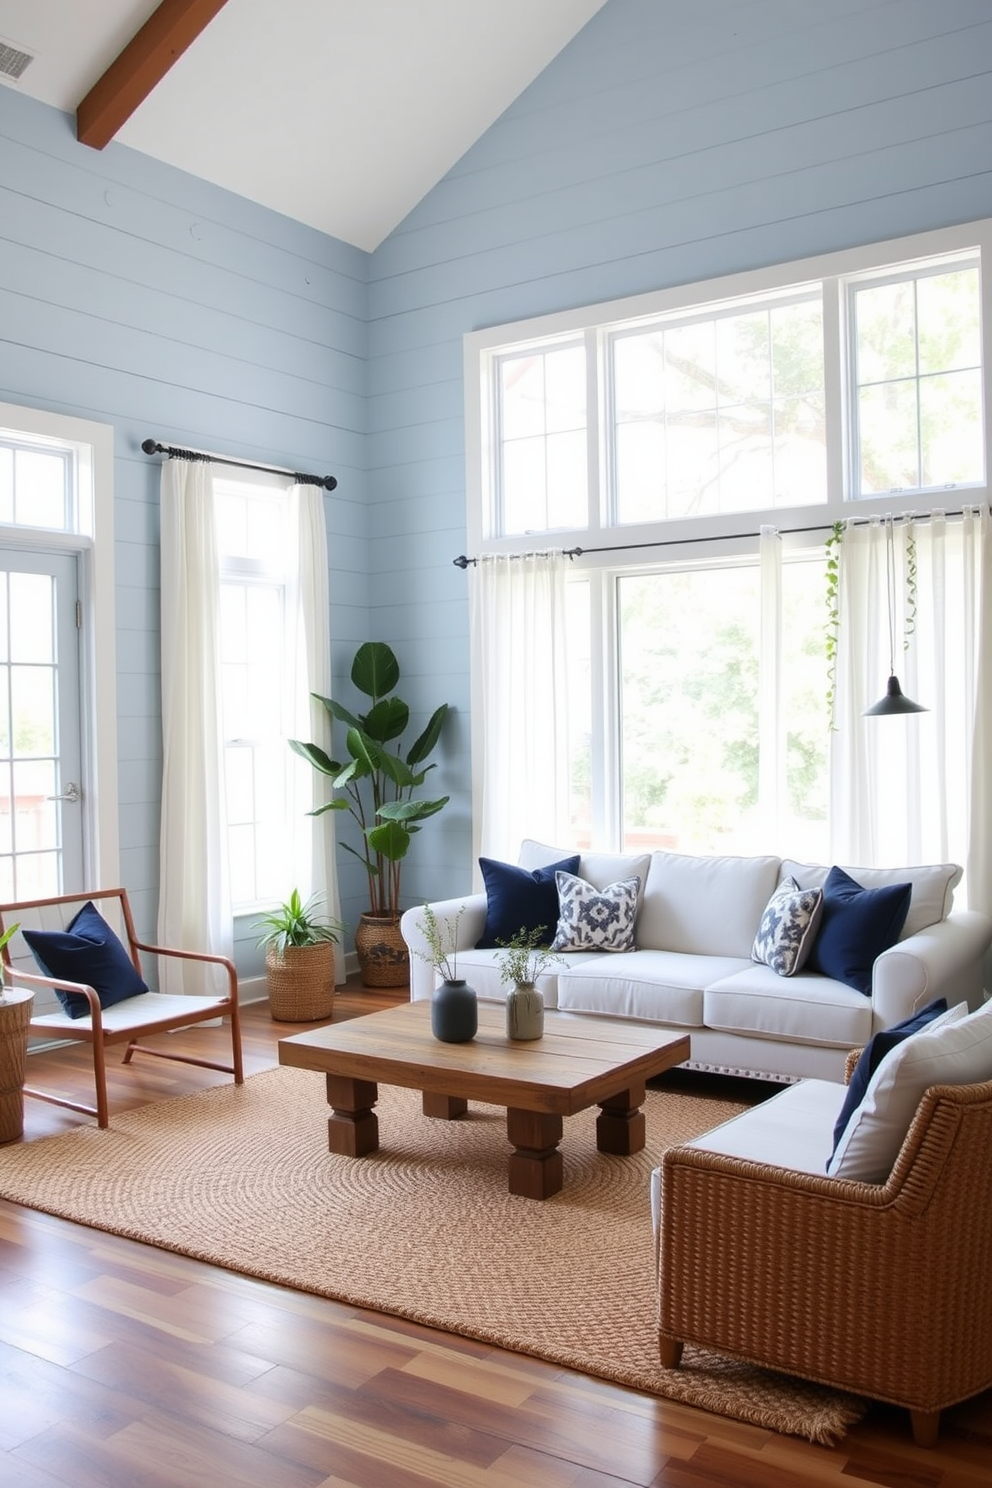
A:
793, 1129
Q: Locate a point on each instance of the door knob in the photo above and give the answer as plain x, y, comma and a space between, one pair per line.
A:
71, 793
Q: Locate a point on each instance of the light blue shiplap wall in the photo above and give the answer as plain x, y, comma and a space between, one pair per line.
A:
670, 142
138, 296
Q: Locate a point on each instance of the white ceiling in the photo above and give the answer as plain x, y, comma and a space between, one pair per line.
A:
340, 113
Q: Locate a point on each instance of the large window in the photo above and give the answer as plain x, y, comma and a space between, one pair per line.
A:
251, 520
694, 718
654, 438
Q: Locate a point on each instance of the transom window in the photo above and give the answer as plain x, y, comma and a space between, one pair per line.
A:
45, 482
813, 384
717, 414
918, 385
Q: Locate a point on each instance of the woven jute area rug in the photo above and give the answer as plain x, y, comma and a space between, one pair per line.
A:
424, 1228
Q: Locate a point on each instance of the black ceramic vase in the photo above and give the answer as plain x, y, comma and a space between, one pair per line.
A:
454, 1013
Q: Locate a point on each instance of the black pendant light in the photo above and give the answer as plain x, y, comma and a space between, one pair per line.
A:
895, 700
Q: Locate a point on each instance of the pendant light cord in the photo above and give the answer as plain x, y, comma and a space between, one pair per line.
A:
890, 585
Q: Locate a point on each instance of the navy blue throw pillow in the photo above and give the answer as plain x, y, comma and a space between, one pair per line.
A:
86, 951
872, 1055
856, 926
520, 899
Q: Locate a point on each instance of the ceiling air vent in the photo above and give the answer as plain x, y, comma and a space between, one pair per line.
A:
13, 61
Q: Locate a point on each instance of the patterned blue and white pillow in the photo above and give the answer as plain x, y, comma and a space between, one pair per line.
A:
593, 919
788, 928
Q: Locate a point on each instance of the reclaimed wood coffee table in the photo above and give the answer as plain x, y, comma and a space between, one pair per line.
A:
581, 1061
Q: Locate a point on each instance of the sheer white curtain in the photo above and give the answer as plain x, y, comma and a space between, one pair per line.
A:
194, 898
915, 788
308, 668
520, 750
772, 792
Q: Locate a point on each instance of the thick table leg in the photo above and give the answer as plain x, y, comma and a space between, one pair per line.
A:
444, 1107
536, 1169
620, 1126
352, 1127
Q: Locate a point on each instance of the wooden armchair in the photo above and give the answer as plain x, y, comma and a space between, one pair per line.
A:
127, 1021
882, 1290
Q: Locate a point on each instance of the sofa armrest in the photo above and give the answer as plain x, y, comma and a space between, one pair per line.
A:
470, 927
944, 960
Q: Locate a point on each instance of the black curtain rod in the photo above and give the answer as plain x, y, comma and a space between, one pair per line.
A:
152, 447
683, 542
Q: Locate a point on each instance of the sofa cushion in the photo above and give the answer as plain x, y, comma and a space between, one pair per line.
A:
806, 1008
654, 986
880, 1044
933, 887
598, 869
788, 928
708, 906
518, 899
592, 919
955, 1050
856, 926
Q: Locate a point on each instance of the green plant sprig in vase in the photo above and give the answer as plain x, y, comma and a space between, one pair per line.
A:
442, 949
521, 961
523, 957
454, 1004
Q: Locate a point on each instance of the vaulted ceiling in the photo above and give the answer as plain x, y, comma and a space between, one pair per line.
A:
339, 113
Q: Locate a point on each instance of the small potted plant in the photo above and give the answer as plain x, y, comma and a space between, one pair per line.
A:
15, 1015
521, 961
299, 959
454, 1004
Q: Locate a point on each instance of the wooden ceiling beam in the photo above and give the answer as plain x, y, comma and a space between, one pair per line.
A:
169, 30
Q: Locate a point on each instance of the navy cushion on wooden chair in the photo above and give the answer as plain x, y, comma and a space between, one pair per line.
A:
86, 951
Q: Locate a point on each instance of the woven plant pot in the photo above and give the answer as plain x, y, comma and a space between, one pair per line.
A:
15, 1015
383, 958
301, 982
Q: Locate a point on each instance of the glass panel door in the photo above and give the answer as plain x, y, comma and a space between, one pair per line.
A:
40, 786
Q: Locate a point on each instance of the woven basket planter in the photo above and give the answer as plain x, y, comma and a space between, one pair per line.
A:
15, 1015
383, 958
301, 983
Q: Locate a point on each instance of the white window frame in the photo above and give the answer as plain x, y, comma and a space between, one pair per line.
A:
483, 348
93, 545
608, 551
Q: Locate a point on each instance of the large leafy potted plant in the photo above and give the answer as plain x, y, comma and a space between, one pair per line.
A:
377, 785
16, 1004
299, 959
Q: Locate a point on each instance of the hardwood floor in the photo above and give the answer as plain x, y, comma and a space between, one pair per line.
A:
124, 1366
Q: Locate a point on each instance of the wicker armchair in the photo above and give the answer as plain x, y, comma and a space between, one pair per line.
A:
882, 1290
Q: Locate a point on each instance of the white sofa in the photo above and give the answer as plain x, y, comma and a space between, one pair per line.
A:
692, 970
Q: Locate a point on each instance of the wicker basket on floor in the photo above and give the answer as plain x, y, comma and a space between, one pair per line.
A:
301, 983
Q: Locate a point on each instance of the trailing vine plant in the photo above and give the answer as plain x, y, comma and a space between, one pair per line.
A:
833, 544
909, 627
